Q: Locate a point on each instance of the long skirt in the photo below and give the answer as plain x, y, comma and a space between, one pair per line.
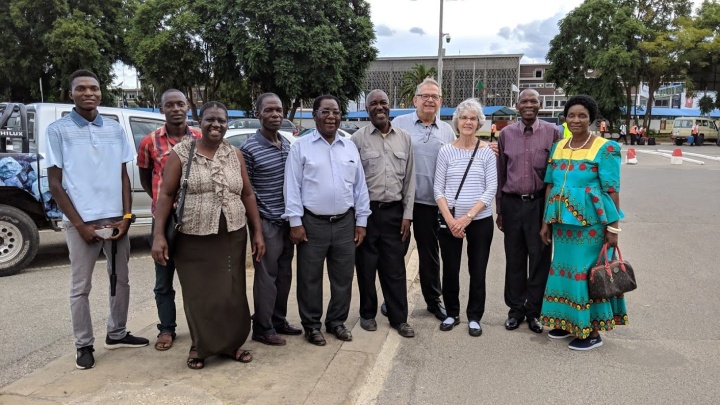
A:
211, 270
566, 304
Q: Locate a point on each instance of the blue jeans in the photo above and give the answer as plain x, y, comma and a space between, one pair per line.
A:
165, 295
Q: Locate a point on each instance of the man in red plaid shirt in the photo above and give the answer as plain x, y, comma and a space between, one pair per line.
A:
152, 155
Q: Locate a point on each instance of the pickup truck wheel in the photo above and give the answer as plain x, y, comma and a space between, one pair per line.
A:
19, 240
678, 142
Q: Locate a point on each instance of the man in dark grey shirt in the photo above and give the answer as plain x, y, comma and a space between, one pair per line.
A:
387, 159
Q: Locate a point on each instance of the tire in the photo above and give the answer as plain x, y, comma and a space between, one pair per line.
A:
678, 142
19, 240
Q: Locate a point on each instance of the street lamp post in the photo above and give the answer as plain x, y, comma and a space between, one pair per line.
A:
441, 35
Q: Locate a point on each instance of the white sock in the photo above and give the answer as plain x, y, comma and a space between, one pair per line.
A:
449, 320
474, 325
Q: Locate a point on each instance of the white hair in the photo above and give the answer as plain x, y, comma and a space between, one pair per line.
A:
472, 105
428, 80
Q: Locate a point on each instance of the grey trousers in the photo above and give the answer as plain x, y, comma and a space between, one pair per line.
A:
82, 262
273, 278
332, 242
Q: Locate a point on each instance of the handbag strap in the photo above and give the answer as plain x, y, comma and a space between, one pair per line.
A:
467, 170
183, 186
604, 261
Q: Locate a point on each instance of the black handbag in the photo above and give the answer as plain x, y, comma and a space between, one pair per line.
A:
174, 220
441, 220
611, 277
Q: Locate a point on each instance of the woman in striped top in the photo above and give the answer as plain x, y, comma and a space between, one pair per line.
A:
468, 215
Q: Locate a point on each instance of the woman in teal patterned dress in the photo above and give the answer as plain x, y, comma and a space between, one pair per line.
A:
583, 210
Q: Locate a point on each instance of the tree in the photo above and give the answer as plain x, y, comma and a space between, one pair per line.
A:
299, 50
706, 104
700, 41
411, 79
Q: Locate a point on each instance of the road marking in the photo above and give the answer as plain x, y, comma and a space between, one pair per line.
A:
651, 152
693, 154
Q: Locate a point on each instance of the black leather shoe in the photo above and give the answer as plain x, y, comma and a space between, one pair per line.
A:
315, 337
341, 332
288, 329
368, 324
512, 323
383, 309
438, 311
404, 330
535, 325
475, 332
449, 326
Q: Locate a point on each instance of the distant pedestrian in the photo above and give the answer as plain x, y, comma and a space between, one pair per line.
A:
623, 133
387, 158
493, 128
562, 127
153, 153
327, 204
633, 134
695, 132
603, 128
86, 158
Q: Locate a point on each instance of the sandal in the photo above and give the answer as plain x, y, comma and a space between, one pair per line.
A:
195, 363
243, 356
165, 341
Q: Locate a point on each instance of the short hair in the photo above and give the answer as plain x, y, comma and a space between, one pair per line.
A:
319, 99
428, 80
169, 91
470, 104
373, 92
212, 104
586, 101
261, 99
81, 73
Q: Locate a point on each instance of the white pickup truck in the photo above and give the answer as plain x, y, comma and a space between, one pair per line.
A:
26, 205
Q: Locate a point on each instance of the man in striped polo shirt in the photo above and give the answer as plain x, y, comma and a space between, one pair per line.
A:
265, 156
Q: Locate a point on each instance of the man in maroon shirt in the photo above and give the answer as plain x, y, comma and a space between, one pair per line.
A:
523, 151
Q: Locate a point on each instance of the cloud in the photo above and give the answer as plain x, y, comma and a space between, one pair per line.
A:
495, 46
417, 30
535, 36
383, 31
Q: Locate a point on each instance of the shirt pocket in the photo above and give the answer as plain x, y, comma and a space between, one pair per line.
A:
371, 162
348, 168
540, 161
399, 163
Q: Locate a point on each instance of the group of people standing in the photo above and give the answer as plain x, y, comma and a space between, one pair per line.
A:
349, 204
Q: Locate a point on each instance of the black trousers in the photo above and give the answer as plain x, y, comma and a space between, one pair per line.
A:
479, 235
527, 257
624, 137
425, 227
633, 139
382, 253
331, 241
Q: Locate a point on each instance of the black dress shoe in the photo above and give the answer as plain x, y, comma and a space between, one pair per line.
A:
444, 326
512, 323
383, 309
535, 325
475, 332
315, 337
287, 329
341, 332
368, 324
438, 310
404, 330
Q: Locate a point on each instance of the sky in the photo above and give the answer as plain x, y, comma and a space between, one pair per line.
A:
476, 27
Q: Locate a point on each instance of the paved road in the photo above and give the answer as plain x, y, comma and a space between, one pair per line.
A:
669, 354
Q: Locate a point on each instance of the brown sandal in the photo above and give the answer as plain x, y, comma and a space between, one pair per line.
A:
164, 341
193, 362
243, 356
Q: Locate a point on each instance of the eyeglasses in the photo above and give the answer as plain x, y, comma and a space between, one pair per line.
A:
327, 113
463, 118
426, 97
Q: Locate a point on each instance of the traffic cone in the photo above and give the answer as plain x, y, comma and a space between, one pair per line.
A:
677, 157
630, 157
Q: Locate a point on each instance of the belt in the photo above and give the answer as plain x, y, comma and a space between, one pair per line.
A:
526, 197
383, 205
329, 218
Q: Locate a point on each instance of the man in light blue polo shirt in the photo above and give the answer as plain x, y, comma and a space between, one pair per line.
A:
428, 134
328, 205
86, 157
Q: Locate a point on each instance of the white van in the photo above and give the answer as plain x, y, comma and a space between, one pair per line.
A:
682, 127
26, 204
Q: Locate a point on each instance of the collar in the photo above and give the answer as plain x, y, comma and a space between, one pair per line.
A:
162, 131
80, 121
316, 136
264, 142
377, 131
417, 119
534, 126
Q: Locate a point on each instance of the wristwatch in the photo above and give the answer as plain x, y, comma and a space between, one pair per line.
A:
131, 217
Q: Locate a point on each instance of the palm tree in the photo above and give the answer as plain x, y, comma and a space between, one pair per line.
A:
410, 81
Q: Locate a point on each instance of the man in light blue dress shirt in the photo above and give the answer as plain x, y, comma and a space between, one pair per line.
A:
327, 205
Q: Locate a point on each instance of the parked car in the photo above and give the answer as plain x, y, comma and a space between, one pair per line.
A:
349, 127
26, 205
682, 127
288, 126
244, 123
309, 130
238, 136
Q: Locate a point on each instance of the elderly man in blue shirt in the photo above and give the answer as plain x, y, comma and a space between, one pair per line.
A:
327, 205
